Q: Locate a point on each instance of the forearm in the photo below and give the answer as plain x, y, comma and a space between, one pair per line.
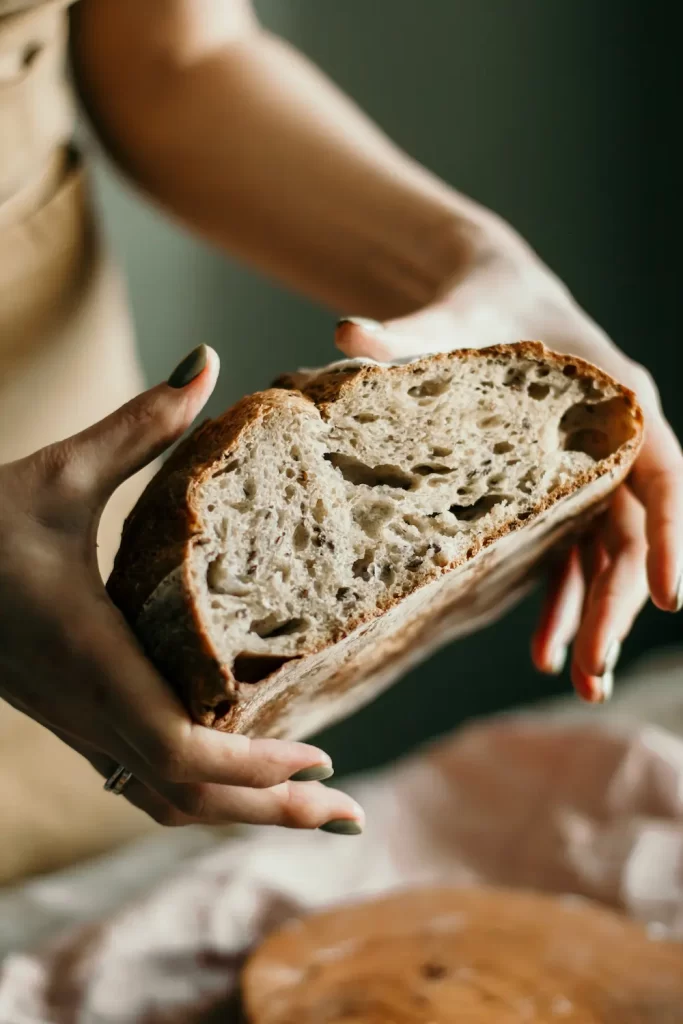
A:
249, 144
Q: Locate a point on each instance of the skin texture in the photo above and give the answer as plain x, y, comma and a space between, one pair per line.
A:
300, 184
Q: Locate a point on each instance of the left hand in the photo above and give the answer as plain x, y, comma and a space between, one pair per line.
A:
506, 294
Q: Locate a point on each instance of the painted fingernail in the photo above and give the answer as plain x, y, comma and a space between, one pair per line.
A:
559, 660
316, 773
679, 595
343, 827
189, 368
372, 326
606, 687
611, 657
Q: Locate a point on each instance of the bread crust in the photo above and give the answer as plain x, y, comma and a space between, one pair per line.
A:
449, 954
159, 534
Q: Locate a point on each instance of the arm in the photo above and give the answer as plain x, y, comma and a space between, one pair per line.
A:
245, 141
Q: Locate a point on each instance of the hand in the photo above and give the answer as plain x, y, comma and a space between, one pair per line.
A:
506, 294
68, 660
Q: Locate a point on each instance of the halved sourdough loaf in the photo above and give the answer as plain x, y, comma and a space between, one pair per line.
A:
295, 555
464, 956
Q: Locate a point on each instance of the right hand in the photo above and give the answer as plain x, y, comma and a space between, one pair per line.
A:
69, 661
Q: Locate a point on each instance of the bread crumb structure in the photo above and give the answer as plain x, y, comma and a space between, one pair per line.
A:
303, 515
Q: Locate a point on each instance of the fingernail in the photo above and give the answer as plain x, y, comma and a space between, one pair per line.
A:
372, 326
189, 368
606, 687
559, 660
611, 657
316, 773
679, 595
343, 827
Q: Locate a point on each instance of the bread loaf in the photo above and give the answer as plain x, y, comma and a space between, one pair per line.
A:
465, 956
295, 555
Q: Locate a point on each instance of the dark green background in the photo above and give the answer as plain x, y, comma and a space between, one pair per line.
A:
563, 115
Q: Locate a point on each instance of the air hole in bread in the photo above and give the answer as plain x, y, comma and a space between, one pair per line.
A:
490, 421
570, 370
230, 468
319, 511
591, 390
366, 417
480, 508
441, 453
361, 567
597, 429
271, 627
356, 472
302, 537
429, 388
538, 391
428, 470
372, 518
527, 482
250, 667
220, 581
514, 377
502, 448
387, 575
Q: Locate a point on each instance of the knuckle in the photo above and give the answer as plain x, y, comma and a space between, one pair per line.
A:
297, 810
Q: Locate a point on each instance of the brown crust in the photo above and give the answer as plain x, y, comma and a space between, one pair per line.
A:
160, 531
480, 955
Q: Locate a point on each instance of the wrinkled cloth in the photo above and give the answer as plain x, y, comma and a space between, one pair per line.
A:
564, 799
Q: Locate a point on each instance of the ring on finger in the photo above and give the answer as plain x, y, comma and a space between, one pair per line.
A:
118, 780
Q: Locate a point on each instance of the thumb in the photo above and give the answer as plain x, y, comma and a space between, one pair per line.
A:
118, 446
429, 331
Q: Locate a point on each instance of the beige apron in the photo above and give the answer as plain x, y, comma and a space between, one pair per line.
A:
67, 358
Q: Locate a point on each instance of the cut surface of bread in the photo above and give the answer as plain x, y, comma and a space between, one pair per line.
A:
464, 956
293, 556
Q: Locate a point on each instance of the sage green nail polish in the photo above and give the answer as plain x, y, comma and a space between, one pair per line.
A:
316, 773
189, 368
343, 827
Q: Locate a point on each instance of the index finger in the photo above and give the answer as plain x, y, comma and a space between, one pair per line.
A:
657, 481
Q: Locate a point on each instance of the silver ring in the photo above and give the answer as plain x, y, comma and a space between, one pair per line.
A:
118, 780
